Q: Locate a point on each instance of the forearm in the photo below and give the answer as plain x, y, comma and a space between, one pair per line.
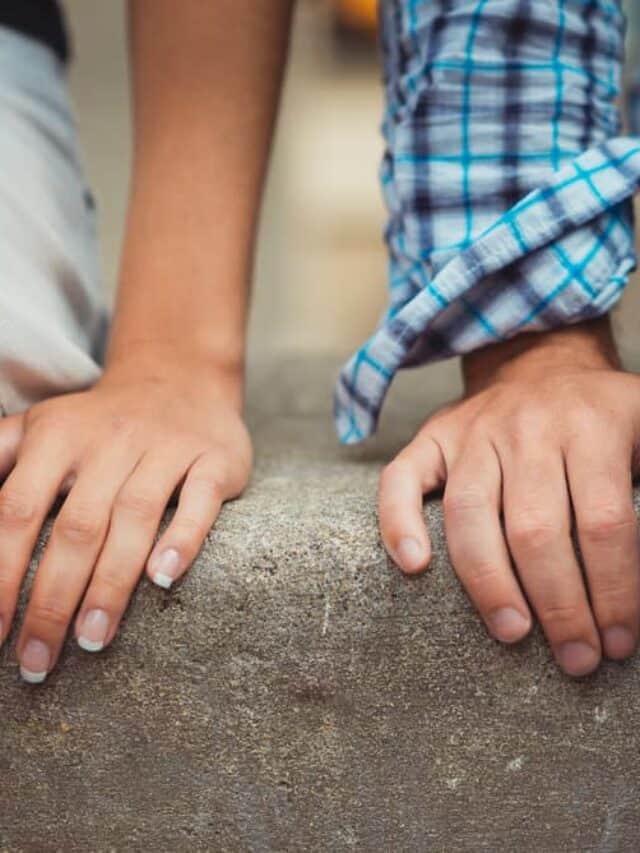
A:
206, 79
508, 193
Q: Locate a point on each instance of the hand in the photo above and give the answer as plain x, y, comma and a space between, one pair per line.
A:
119, 451
546, 421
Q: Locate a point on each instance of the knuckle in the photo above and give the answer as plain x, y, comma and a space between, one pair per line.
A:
55, 423
16, 509
484, 582
124, 429
115, 585
459, 501
605, 522
533, 531
46, 417
389, 474
49, 613
9, 589
525, 422
484, 573
561, 615
192, 528
7, 582
233, 488
38, 412
143, 506
79, 525
210, 483
586, 419
387, 493
615, 599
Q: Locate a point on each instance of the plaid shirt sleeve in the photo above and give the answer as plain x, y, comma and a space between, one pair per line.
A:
633, 67
506, 177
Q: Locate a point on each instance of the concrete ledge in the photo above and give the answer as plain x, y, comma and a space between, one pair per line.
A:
295, 693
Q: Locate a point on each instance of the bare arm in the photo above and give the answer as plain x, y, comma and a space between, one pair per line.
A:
206, 84
164, 419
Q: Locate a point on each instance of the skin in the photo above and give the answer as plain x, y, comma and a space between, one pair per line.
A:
545, 418
548, 429
164, 422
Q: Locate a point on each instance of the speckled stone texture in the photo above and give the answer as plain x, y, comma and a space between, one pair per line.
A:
294, 693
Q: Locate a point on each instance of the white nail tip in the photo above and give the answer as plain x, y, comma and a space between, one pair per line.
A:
162, 580
32, 677
90, 645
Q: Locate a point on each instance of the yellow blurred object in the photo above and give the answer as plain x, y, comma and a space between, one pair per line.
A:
360, 14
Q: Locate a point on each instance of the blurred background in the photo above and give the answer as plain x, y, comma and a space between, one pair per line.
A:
320, 278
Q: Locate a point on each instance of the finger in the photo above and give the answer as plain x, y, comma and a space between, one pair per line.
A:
77, 536
601, 490
201, 497
418, 469
11, 435
538, 524
136, 515
25, 500
477, 546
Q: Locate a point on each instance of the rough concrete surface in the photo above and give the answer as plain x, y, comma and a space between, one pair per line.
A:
294, 693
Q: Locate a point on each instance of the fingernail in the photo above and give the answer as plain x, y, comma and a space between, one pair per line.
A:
509, 625
94, 631
34, 662
165, 568
619, 642
410, 554
578, 658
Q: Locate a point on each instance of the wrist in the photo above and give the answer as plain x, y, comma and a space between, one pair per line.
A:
588, 345
145, 362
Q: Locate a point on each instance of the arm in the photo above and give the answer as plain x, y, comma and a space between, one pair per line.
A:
164, 419
547, 430
206, 84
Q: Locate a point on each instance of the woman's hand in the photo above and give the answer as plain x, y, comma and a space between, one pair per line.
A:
549, 423
121, 450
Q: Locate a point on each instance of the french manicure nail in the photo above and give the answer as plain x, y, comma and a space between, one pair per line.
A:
34, 662
410, 554
165, 568
94, 631
509, 625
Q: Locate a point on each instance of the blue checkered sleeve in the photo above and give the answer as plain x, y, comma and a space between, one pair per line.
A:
506, 178
632, 81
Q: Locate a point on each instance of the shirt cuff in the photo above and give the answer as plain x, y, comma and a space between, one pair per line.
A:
506, 181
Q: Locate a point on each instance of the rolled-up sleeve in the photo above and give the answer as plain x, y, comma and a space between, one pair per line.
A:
507, 181
632, 77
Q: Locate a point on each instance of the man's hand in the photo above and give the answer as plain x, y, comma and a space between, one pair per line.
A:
121, 450
549, 424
